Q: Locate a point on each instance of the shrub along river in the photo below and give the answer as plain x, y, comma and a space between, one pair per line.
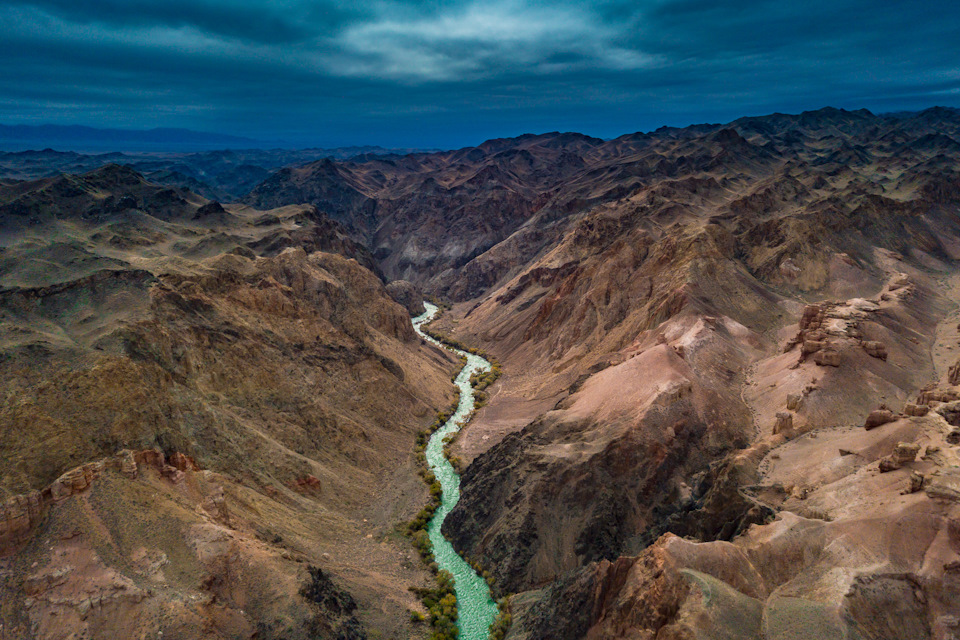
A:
476, 608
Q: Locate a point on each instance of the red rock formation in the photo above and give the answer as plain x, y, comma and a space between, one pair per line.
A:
20, 514
784, 424
878, 418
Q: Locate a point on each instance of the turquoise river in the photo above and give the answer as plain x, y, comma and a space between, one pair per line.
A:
476, 608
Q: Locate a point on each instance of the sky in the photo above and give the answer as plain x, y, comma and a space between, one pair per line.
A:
447, 74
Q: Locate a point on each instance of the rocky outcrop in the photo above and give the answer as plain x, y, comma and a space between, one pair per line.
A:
916, 410
944, 485
878, 418
938, 395
875, 349
336, 617
827, 357
21, 514
793, 401
407, 295
953, 374
903, 453
813, 339
784, 423
917, 480
825, 330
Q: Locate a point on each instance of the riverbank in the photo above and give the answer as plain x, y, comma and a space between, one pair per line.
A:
476, 608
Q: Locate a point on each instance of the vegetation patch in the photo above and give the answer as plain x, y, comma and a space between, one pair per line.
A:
479, 380
501, 625
441, 602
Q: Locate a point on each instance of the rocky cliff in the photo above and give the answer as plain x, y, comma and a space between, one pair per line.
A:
460, 222
670, 353
201, 404
729, 403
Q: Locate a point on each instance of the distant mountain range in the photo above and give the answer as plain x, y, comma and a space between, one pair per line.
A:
219, 174
92, 139
80, 138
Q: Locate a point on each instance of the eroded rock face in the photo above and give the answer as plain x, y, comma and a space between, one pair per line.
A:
916, 410
407, 295
825, 330
906, 452
636, 453
875, 349
784, 423
337, 617
679, 589
878, 418
812, 317
190, 371
917, 481
944, 485
614, 288
793, 401
21, 514
953, 375
903, 453
827, 358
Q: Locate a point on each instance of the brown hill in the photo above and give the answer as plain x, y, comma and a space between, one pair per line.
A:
662, 373
434, 219
199, 417
424, 214
729, 405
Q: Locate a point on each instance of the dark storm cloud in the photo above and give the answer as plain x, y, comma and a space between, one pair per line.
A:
255, 20
449, 73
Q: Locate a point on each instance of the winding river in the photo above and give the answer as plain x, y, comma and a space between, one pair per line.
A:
476, 608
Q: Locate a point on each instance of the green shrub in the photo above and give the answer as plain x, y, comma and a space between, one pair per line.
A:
481, 399
501, 625
441, 601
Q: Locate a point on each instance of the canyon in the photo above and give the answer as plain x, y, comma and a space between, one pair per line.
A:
729, 407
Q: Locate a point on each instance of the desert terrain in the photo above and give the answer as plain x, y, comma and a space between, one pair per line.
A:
729, 404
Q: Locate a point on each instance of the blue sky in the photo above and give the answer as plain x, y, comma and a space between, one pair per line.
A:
453, 73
